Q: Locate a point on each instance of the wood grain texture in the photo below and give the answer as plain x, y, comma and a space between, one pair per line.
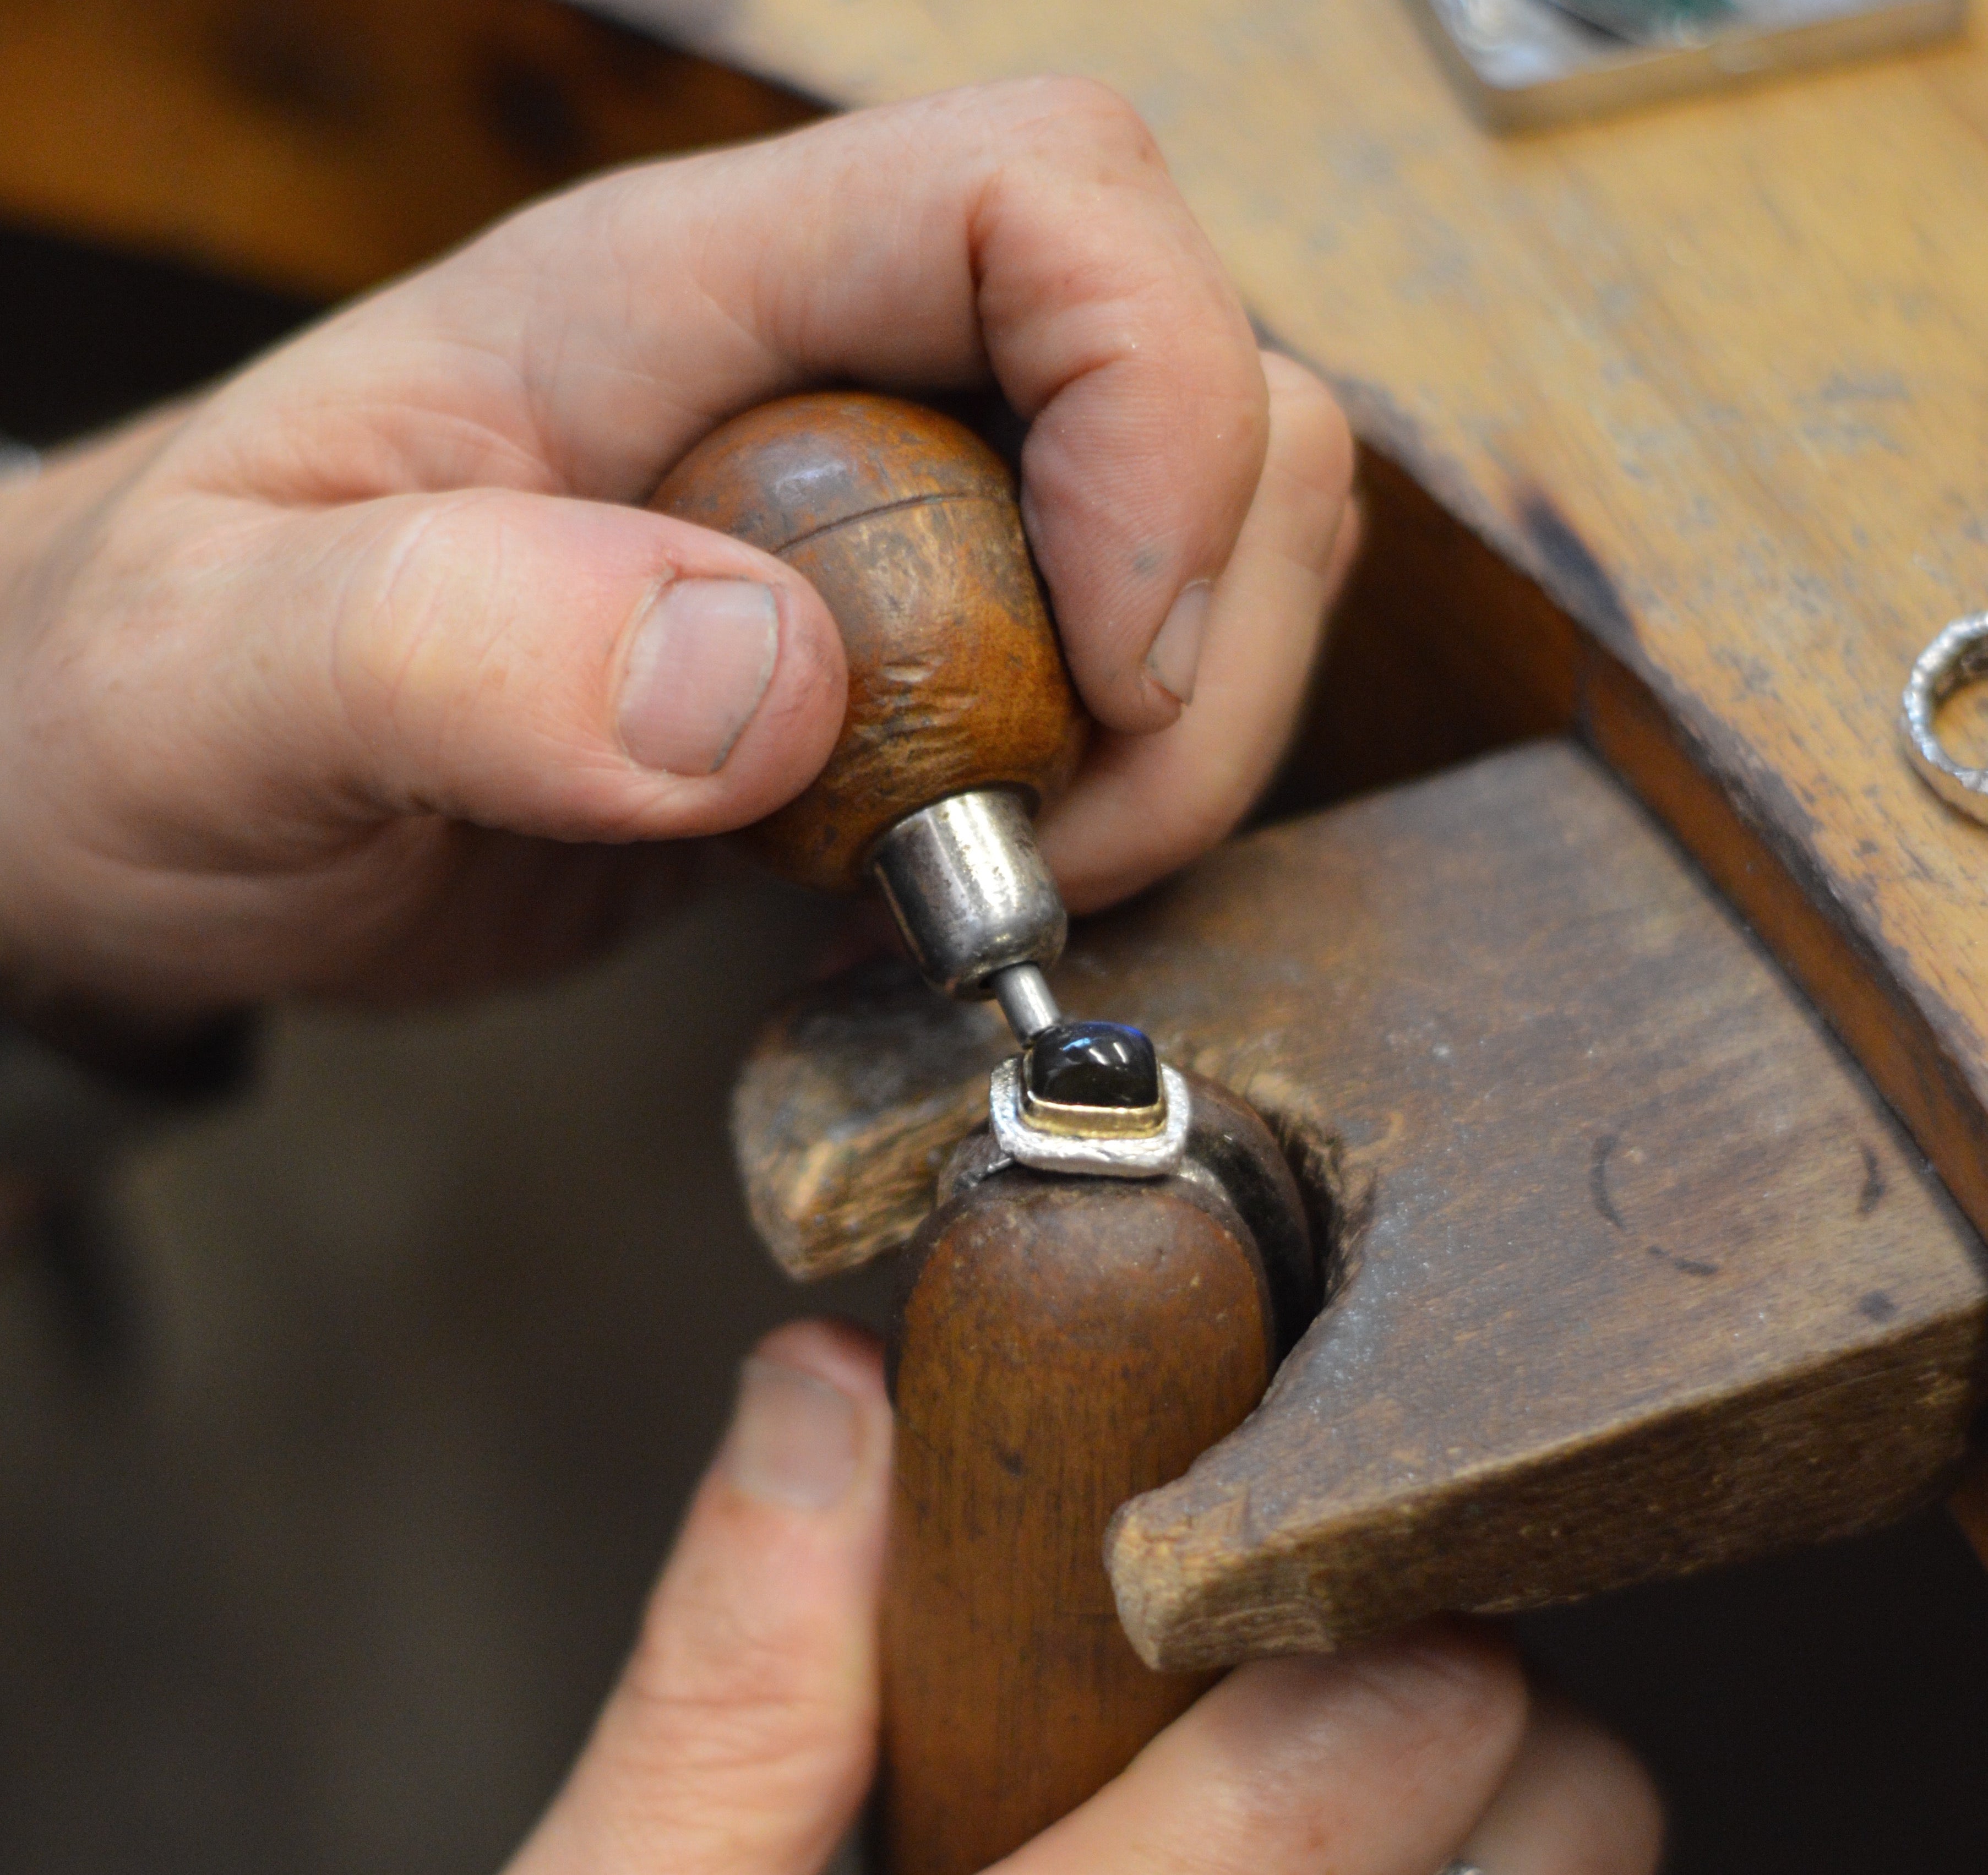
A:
1639, 1277
905, 522
1062, 1344
836, 1172
321, 146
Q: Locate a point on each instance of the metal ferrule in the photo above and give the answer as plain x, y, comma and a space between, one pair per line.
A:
970, 892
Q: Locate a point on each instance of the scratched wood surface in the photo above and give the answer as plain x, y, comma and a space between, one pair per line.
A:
1637, 1275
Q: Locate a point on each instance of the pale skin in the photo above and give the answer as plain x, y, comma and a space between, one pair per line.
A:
363, 675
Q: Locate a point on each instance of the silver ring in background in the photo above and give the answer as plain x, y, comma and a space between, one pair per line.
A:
1956, 657
1460, 1868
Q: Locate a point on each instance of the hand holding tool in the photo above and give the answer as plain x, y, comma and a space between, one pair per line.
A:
1119, 1257
962, 719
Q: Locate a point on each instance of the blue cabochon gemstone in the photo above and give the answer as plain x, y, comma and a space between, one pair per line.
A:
1093, 1064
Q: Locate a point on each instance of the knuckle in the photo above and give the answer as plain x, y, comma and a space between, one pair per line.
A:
127, 631
1312, 439
1106, 115
1300, 1739
1086, 118
401, 620
693, 1736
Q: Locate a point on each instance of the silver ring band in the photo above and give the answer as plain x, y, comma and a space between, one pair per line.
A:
1958, 655
1461, 1868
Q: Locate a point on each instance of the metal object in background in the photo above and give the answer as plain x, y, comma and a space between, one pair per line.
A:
1958, 655
1523, 64
975, 902
1655, 22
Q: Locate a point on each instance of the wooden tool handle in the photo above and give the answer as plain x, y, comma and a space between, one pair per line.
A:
905, 523
1062, 1344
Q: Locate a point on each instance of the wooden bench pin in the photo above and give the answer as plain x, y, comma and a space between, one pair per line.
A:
1119, 1257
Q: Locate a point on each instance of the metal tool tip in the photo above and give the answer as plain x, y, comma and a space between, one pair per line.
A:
1023, 994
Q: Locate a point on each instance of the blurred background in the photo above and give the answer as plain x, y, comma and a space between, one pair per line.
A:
332, 1479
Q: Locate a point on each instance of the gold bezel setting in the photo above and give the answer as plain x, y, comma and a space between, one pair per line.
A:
1094, 1123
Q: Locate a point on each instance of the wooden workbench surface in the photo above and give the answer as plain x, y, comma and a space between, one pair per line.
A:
320, 146
1714, 375
1630, 1275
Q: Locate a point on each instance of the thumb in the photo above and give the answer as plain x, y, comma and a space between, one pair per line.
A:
567, 669
741, 1739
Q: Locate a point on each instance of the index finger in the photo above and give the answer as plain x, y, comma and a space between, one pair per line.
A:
1028, 229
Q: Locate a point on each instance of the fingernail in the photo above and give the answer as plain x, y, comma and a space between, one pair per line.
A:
793, 1440
701, 662
1176, 652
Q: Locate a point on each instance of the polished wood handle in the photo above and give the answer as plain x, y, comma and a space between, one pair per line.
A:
1061, 1345
905, 522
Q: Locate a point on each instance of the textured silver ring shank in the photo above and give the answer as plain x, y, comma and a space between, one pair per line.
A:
1957, 656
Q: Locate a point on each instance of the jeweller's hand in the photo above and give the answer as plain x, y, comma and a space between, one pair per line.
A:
365, 674
742, 1738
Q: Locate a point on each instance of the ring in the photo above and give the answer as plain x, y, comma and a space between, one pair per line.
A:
1958, 654
1460, 1868
1153, 1156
